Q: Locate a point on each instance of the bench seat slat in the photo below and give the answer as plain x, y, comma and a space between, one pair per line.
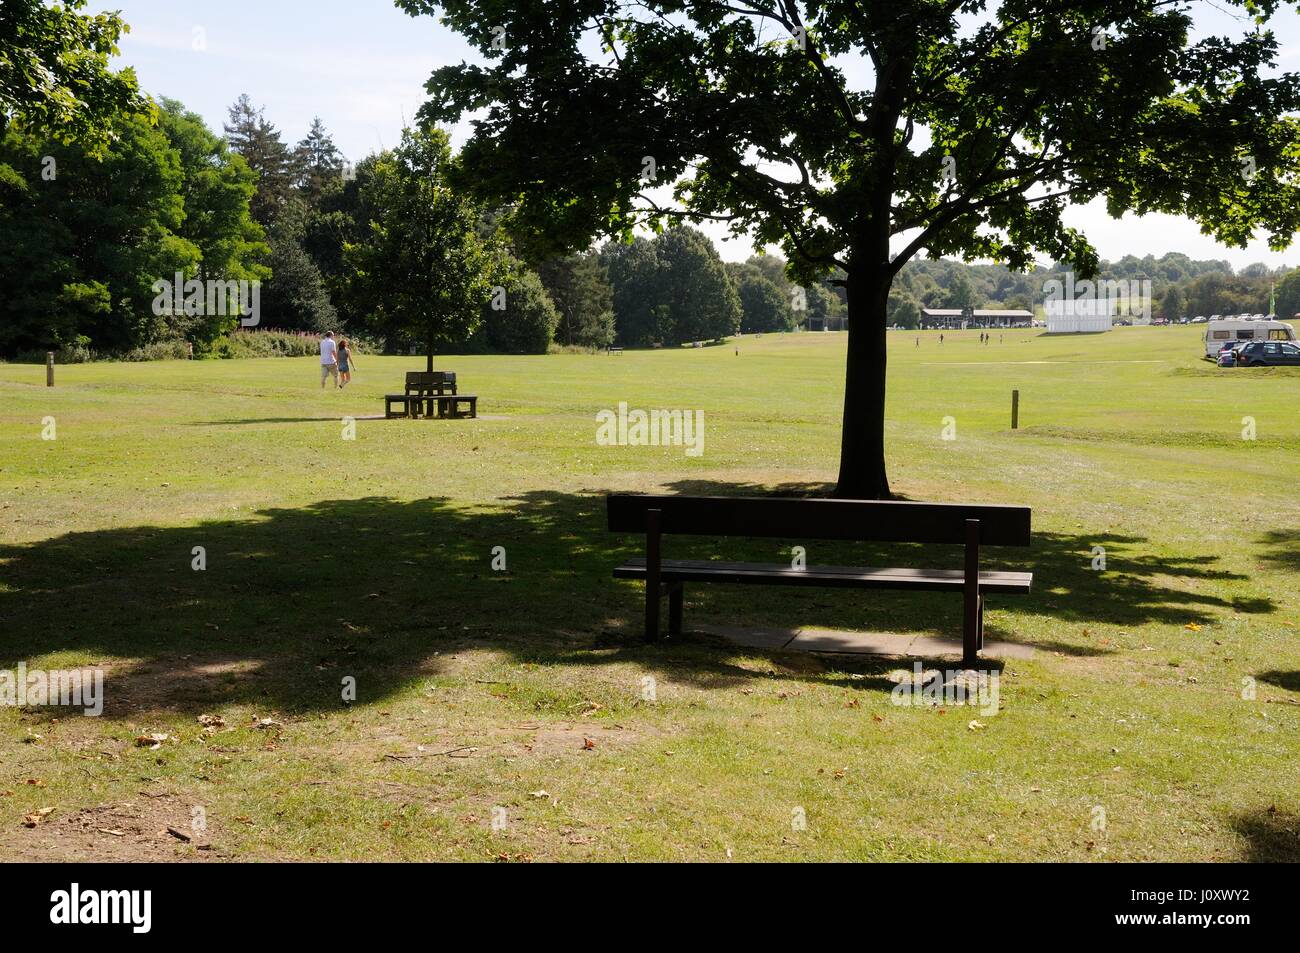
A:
849, 577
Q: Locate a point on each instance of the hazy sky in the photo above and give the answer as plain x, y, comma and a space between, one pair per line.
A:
361, 66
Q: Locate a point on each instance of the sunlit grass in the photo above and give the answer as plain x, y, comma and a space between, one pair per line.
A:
370, 559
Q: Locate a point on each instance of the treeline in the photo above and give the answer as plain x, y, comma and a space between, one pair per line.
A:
393, 251
1180, 286
388, 249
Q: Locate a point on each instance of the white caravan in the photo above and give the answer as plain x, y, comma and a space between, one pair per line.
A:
1219, 331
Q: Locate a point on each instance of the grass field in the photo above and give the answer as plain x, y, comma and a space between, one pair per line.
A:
1163, 697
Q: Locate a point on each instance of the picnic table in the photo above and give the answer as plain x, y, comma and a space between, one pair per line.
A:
430, 394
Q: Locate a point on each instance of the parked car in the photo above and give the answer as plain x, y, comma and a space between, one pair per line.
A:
1268, 354
1227, 356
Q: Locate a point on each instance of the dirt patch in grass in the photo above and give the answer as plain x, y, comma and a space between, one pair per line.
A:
128, 831
559, 739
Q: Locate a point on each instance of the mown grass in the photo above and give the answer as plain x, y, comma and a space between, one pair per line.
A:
478, 690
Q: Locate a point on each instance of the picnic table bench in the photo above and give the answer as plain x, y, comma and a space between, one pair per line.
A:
430, 394
971, 526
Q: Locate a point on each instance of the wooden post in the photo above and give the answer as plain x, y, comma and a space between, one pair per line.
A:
652, 523
49, 368
971, 609
1015, 409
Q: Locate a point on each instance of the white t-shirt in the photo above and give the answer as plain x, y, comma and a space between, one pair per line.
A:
327, 351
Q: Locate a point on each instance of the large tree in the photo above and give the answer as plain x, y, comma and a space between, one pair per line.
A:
54, 75
1287, 302
420, 272
579, 287
522, 318
259, 143
633, 270
317, 161
856, 135
217, 187
763, 305
83, 237
699, 302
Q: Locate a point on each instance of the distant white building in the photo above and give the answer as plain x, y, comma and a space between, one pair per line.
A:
1079, 315
975, 318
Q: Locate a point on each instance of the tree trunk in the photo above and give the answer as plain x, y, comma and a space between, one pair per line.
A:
862, 442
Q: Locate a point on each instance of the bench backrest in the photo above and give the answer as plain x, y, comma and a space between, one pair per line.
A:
796, 518
427, 380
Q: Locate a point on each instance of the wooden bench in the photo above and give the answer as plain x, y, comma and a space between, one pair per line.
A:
971, 526
613, 349
421, 390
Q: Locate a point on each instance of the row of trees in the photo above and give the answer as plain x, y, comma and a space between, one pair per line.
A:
390, 248
86, 228
1180, 286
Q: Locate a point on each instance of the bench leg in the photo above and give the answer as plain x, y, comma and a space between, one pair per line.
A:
651, 610
675, 609
969, 638
981, 629
653, 591
972, 615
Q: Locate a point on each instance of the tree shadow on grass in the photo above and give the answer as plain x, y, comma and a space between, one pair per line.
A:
1137, 587
1290, 680
1286, 548
293, 600
1272, 835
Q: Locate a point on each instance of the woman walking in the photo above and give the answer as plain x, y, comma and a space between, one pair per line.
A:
345, 362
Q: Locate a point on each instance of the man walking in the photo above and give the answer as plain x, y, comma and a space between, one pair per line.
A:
329, 364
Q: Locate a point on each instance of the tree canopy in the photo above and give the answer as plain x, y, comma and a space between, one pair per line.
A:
966, 129
421, 273
54, 75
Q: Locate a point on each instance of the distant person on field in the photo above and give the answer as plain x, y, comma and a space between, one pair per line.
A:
346, 363
329, 365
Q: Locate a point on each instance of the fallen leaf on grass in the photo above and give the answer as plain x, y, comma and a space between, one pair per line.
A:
211, 723
588, 744
975, 725
261, 724
36, 817
153, 741
36, 782
1193, 626
538, 794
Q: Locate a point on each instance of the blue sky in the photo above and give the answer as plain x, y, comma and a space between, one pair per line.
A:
361, 66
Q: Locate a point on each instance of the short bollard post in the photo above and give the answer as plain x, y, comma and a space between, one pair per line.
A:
1015, 409
49, 368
